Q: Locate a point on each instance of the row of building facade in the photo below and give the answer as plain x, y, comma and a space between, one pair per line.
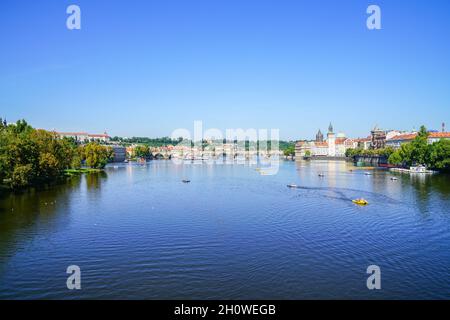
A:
336, 145
83, 137
333, 145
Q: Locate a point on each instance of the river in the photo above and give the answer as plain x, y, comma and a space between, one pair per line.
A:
137, 232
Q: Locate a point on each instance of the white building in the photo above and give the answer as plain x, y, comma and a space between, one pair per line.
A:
396, 141
83, 137
333, 146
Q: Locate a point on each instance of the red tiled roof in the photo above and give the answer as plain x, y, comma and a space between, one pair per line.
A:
349, 141
98, 135
72, 133
408, 136
368, 139
411, 136
340, 140
439, 135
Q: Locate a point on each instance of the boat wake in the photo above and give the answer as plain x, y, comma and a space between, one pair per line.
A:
342, 194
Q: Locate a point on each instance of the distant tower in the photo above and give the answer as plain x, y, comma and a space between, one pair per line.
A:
378, 138
319, 136
331, 137
443, 126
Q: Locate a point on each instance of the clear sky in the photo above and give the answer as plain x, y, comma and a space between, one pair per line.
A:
148, 67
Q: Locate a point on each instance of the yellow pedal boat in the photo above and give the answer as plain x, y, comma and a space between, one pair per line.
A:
361, 202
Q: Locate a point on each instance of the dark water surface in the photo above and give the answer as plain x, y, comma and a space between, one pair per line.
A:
137, 231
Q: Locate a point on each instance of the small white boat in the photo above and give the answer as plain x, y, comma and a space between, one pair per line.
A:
414, 170
292, 186
394, 178
368, 173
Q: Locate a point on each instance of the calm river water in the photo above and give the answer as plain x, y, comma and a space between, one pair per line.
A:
138, 232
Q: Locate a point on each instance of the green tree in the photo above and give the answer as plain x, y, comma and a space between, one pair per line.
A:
406, 154
353, 152
22, 176
289, 151
32, 157
95, 155
142, 152
439, 155
419, 147
395, 158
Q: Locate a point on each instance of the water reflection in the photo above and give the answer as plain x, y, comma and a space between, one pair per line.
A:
94, 180
230, 233
32, 210
36, 209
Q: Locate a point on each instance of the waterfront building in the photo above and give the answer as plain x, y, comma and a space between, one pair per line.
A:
378, 138
398, 140
363, 143
436, 136
393, 133
120, 153
333, 146
331, 139
84, 137
319, 136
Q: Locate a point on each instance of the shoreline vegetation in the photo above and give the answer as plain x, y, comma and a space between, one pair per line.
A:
32, 157
72, 172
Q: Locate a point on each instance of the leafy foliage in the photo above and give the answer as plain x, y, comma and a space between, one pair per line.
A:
439, 155
142, 151
95, 155
289, 151
435, 156
385, 152
31, 157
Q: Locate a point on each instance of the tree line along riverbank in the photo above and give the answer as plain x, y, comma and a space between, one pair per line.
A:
33, 157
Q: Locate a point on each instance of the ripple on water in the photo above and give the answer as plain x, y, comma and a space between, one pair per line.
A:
230, 234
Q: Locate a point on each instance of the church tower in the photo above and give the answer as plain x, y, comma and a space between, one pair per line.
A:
319, 136
331, 141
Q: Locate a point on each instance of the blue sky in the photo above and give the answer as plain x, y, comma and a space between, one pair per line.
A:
148, 67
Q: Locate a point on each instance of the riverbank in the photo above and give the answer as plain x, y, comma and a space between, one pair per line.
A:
70, 172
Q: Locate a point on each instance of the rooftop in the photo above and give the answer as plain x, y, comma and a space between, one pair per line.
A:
411, 136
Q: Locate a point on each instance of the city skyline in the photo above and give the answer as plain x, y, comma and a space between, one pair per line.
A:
161, 66
310, 136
